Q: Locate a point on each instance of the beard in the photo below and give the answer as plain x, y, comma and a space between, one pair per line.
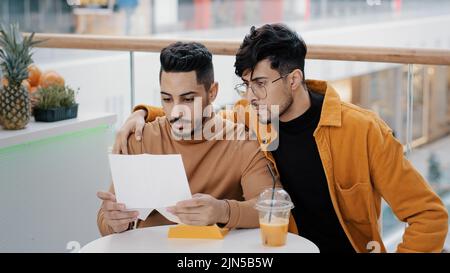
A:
265, 113
184, 128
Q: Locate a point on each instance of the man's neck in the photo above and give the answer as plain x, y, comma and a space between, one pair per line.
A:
300, 104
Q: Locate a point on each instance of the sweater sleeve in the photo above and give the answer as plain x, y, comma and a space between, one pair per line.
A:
255, 179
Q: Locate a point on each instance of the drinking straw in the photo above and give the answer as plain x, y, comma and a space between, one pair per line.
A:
273, 191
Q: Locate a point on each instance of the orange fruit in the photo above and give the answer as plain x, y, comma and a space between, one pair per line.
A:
50, 78
33, 89
34, 75
27, 85
5, 82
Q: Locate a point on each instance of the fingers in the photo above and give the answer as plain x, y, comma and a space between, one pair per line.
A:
192, 219
116, 147
191, 203
184, 210
109, 201
124, 144
121, 140
108, 205
200, 195
202, 209
121, 222
120, 146
116, 215
138, 130
106, 196
197, 216
134, 124
120, 225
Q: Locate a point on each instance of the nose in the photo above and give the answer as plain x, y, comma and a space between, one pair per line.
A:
250, 96
177, 112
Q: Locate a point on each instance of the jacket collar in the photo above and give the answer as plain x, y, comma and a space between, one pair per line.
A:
331, 109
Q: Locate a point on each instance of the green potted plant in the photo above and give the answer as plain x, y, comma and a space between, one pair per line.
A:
54, 103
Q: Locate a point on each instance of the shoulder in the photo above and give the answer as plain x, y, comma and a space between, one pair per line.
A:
155, 128
354, 116
245, 143
153, 133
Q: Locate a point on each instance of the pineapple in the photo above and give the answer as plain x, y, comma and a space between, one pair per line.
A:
15, 57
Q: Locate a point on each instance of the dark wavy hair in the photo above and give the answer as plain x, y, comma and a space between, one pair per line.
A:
283, 47
186, 57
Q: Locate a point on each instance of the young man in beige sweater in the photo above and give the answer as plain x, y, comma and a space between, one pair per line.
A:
225, 176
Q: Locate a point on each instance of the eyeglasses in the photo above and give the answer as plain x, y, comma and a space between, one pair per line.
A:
258, 87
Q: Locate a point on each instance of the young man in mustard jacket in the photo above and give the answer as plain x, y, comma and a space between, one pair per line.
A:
335, 159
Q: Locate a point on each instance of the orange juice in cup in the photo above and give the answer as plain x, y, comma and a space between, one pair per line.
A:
274, 206
275, 233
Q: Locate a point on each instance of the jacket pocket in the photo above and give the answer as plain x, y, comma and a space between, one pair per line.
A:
355, 202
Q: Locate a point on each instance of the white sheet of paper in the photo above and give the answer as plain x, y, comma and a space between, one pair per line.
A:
146, 182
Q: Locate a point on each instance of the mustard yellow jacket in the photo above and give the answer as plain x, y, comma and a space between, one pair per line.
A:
363, 163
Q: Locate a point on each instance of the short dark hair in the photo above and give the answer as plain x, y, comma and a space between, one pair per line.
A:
186, 57
283, 47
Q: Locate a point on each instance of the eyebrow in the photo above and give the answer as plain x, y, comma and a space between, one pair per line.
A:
259, 78
182, 95
254, 79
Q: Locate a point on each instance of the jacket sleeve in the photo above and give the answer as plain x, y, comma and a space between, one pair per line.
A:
239, 112
411, 198
152, 111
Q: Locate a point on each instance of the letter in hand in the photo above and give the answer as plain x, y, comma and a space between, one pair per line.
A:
115, 214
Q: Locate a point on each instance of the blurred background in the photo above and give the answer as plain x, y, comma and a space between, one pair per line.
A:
103, 77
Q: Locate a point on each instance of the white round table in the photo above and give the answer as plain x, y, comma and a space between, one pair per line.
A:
154, 239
